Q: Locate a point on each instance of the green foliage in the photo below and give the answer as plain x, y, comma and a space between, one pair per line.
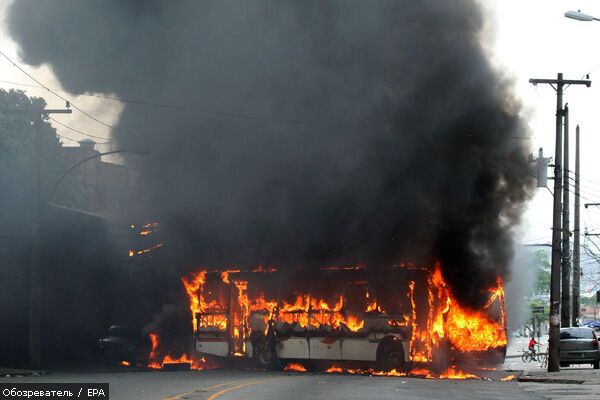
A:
588, 301
17, 136
542, 282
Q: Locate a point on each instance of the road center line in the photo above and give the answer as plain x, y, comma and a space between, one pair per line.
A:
180, 395
222, 392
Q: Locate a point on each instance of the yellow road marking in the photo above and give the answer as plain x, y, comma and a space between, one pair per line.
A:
216, 386
222, 392
180, 395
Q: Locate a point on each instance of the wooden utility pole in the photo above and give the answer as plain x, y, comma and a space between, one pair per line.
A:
553, 353
35, 292
576, 231
565, 295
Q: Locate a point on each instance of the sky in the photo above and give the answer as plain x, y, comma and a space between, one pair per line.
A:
525, 39
533, 39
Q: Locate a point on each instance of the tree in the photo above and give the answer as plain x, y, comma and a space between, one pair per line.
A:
542, 282
16, 158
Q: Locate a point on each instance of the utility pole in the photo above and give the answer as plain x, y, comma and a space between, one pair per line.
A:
565, 296
553, 353
576, 229
36, 116
35, 269
35, 290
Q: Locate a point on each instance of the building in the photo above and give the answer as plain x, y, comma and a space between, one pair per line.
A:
590, 312
108, 187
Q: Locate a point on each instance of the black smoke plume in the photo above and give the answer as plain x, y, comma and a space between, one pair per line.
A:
313, 132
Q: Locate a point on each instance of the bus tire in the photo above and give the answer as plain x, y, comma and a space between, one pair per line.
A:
390, 355
266, 358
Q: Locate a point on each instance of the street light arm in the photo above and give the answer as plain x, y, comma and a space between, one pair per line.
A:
579, 16
64, 175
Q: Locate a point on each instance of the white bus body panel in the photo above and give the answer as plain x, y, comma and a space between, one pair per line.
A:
359, 349
315, 348
325, 349
294, 347
215, 348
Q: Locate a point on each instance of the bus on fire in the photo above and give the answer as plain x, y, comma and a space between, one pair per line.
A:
385, 319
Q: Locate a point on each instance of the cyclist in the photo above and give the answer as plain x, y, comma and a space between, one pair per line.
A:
532, 343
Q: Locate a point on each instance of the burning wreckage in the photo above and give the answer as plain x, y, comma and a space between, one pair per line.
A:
392, 321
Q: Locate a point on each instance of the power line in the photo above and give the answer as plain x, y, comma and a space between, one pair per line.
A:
167, 106
590, 183
580, 195
74, 140
81, 132
54, 93
229, 114
67, 138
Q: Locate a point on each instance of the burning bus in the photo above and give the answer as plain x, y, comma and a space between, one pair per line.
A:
389, 319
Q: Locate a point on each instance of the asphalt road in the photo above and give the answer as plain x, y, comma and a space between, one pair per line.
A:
247, 385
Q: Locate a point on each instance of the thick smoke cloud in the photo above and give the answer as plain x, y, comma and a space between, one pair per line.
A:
351, 131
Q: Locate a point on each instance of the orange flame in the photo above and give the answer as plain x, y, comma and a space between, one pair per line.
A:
465, 330
294, 367
451, 373
193, 285
371, 304
454, 373
265, 270
156, 363
143, 251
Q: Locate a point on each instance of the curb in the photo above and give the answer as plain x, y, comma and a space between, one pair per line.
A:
20, 373
550, 380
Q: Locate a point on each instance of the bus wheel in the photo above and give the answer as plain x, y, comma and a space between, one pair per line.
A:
390, 355
265, 359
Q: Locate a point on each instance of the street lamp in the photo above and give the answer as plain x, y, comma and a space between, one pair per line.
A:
133, 150
579, 16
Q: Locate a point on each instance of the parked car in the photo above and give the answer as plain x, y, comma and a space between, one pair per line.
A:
124, 344
579, 346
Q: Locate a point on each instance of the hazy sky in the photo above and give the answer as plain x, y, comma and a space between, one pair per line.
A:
535, 40
531, 38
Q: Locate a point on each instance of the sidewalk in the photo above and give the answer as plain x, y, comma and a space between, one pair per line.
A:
577, 376
516, 346
6, 372
569, 383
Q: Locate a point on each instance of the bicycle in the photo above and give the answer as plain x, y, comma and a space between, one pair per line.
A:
529, 356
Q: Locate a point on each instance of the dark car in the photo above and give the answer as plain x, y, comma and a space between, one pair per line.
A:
125, 345
579, 346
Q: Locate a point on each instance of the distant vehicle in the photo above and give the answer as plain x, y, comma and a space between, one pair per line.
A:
579, 346
124, 344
